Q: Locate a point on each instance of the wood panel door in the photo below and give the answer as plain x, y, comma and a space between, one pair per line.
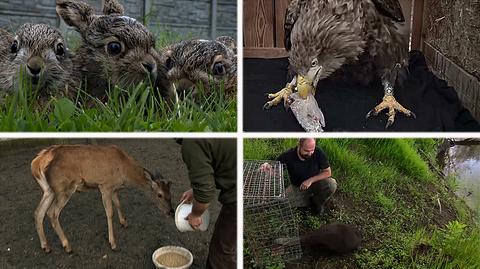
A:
263, 28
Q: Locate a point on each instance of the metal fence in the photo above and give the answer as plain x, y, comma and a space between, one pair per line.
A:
268, 215
192, 18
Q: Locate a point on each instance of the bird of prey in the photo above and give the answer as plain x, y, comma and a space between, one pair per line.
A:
324, 35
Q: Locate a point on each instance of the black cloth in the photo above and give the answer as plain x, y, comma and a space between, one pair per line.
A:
345, 103
299, 170
222, 253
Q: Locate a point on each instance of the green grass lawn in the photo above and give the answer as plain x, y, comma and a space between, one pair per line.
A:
389, 190
127, 110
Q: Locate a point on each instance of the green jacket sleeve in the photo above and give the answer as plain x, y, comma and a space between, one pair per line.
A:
197, 156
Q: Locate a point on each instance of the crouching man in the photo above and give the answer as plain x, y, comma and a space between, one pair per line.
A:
310, 175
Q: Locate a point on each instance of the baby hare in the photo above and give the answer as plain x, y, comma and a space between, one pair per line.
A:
115, 49
210, 63
39, 52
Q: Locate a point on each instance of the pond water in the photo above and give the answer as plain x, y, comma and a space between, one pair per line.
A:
463, 161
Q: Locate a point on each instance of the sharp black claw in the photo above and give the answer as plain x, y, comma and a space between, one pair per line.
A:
389, 123
413, 115
369, 114
266, 106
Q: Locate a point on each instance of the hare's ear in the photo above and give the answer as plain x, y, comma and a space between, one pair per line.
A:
112, 7
77, 14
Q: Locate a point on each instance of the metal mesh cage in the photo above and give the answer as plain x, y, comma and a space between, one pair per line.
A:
268, 215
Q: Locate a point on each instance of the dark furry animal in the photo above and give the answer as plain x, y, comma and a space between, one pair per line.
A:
333, 238
115, 50
324, 35
197, 61
337, 238
39, 53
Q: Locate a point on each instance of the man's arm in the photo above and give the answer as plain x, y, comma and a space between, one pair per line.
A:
325, 173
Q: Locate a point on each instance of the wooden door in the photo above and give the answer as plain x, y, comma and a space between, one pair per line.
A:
263, 30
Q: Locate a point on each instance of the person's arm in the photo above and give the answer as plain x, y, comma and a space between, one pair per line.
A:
325, 173
201, 175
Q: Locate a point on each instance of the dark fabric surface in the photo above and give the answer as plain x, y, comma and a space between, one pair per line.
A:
345, 104
299, 170
222, 253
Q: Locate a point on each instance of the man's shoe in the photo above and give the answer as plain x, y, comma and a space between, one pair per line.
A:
320, 210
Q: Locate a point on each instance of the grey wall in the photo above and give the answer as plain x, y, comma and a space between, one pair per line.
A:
188, 18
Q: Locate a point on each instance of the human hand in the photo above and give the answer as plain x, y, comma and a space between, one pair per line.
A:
265, 167
187, 196
194, 221
306, 184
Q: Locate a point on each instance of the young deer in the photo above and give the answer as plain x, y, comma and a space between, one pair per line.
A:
61, 170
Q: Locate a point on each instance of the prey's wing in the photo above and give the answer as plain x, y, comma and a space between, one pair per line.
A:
390, 8
291, 16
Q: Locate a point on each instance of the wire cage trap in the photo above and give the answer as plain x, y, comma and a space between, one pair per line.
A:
270, 228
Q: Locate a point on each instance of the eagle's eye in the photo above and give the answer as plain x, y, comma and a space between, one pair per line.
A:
314, 62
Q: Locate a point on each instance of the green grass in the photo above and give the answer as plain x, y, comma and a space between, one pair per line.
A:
134, 109
128, 110
387, 189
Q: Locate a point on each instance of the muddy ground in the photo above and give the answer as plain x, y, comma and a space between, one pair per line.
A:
84, 220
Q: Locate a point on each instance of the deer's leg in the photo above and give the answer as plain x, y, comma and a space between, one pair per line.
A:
45, 203
54, 213
107, 204
121, 216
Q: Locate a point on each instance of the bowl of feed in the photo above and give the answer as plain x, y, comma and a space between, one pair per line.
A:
183, 210
172, 257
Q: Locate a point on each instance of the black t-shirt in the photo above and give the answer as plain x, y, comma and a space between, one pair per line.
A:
299, 170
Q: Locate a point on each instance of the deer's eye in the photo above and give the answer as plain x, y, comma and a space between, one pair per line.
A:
14, 47
160, 195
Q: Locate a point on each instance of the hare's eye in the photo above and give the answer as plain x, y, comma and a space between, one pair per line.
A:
14, 47
218, 69
114, 48
169, 63
60, 51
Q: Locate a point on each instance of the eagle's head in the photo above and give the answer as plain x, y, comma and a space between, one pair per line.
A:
321, 44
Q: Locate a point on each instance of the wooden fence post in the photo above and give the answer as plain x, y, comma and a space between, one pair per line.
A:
417, 24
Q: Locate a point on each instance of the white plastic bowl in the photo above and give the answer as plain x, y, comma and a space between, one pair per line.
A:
182, 212
169, 249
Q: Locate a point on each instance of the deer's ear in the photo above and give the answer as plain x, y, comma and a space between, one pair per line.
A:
77, 14
112, 7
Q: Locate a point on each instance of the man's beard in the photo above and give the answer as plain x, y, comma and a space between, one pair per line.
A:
305, 157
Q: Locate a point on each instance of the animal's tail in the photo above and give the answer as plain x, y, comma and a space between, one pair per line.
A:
40, 165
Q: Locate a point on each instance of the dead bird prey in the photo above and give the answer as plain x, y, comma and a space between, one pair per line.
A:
210, 63
321, 36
